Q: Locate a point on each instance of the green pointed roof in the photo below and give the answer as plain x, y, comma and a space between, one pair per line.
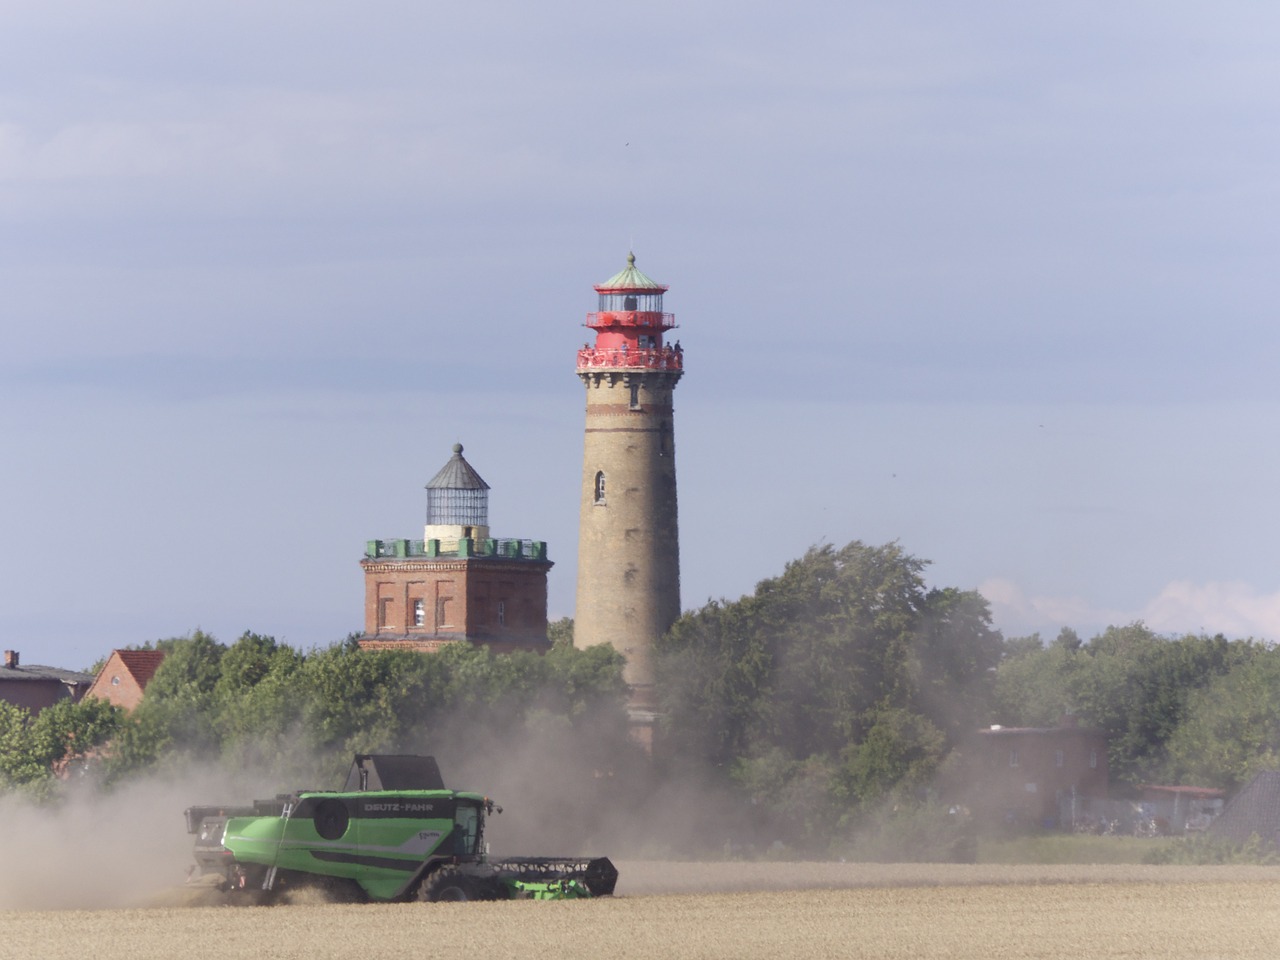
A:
630, 280
457, 474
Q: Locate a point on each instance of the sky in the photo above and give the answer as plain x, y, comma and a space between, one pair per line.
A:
994, 281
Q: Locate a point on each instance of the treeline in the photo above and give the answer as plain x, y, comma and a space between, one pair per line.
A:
263, 705
1195, 710
846, 682
842, 688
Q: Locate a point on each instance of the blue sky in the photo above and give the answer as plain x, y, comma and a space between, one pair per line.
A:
996, 281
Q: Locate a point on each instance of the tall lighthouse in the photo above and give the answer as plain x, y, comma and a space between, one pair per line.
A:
628, 540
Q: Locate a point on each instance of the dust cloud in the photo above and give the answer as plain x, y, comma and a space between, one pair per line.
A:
567, 790
92, 849
564, 792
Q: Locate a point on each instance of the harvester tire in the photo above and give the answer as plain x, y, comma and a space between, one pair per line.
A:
450, 884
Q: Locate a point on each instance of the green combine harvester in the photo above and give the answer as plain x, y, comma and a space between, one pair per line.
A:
392, 833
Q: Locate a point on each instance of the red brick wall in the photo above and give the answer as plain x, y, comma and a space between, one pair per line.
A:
1023, 772
116, 684
489, 601
33, 695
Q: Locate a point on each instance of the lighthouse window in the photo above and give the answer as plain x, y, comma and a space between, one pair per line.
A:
599, 494
635, 396
419, 613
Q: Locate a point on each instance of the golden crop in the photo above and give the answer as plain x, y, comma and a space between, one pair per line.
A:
731, 910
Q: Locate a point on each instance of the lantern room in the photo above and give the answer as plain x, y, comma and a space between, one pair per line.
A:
457, 502
629, 324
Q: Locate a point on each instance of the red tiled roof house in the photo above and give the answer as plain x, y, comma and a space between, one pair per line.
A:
125, 676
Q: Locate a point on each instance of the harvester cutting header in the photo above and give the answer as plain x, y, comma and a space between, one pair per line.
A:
394, 832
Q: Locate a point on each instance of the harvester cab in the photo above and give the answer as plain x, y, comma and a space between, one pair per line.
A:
380, 771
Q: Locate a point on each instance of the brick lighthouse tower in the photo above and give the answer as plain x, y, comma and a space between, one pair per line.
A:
628, 540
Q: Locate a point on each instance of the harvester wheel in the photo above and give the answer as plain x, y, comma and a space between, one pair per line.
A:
449, 883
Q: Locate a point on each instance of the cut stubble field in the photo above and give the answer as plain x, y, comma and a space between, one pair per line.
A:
730, 910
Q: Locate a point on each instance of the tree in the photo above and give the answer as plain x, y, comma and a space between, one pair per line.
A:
844, 675
1231, 730
1033, 687
901, 749
31, 747
954, 659
560, 632
1136, 685
1132, 683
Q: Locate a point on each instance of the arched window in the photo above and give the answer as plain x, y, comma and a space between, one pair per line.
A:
599, 494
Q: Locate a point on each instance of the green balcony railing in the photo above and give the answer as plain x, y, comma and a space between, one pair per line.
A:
507, 549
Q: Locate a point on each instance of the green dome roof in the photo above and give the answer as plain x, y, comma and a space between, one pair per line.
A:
630, 280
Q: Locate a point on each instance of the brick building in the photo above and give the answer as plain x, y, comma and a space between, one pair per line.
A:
457, 582
125, 676
35, 687
1033, 775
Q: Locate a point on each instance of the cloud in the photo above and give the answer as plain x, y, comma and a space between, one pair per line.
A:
1232, 608
1016, 612
1235, 609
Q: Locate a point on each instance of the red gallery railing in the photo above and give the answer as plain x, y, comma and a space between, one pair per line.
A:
663, 358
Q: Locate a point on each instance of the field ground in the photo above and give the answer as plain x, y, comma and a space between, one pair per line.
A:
727, 910
1072, 848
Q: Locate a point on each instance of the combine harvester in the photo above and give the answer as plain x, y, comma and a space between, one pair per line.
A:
392, 833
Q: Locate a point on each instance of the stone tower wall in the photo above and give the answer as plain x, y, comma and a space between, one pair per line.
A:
628, 547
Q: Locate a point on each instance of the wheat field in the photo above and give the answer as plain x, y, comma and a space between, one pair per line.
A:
729, 910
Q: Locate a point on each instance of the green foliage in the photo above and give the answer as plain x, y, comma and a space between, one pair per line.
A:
1015, 647
914, 832
32, 747
1033, 686
191, 667
560, 632
832, 684
1137, 686
259, 702
953, 653
1232, 727
901, 749
797, 798
1212, 850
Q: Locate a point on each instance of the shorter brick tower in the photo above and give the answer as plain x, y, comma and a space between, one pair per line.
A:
456, 583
